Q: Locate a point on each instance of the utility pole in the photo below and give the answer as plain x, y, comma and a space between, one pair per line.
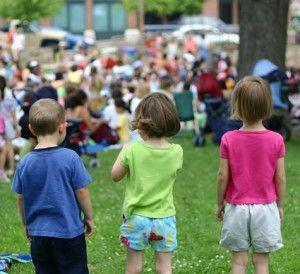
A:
89, 24
141, 15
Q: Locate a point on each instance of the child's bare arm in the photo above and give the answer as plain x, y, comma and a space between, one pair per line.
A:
20, 205
118, 171
222, 180
280, 180
83, 197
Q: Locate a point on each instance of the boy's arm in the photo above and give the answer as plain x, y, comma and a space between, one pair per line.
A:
222, 180
118, 171
280, 180
84, 200
20, 205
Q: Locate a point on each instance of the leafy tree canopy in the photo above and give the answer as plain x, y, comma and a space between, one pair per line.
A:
28, 10
166, 7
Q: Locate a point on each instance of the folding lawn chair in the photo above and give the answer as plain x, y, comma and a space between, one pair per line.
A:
185, 107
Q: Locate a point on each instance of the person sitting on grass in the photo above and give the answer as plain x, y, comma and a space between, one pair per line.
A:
251, 179
122, 126
50, 182
151, 167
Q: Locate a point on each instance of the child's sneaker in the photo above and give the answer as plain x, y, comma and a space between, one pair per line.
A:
3, 177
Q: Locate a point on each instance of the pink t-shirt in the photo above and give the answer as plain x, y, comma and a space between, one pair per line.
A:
252, 157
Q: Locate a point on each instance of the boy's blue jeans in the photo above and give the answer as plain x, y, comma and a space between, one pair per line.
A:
59, 256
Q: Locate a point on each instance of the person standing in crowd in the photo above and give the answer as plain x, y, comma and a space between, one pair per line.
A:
50, 203
151, 167
251, 180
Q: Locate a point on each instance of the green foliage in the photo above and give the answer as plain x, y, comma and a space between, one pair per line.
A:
189, 7
28, 10
198, 233
166, 7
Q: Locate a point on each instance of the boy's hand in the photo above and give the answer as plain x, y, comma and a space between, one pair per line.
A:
281, 213
220, 212
89, 227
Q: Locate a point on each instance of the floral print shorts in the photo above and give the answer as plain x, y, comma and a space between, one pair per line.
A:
137, 232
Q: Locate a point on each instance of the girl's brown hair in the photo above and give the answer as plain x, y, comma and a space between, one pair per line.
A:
251, 100
156, 116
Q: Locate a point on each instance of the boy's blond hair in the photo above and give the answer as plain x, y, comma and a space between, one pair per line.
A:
251, 100
45, 116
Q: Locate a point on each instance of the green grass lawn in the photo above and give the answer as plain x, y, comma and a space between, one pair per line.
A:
198, 232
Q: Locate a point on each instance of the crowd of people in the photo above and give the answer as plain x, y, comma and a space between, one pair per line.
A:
102, 91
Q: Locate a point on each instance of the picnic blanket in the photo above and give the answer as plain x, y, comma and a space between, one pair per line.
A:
7, 259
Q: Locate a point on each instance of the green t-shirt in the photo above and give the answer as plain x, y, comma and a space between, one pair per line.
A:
151, 175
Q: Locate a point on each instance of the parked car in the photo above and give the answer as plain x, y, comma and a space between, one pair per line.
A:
48, 36
159, 28
210, 21
212, 34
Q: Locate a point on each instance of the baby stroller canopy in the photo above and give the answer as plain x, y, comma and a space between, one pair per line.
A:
263, 67
277, 79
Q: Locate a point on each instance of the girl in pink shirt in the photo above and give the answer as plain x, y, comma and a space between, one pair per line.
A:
251, 180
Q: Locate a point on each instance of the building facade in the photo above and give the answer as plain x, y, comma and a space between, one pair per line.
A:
106, 17
227, 10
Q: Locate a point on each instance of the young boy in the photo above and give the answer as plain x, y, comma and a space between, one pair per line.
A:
50, 183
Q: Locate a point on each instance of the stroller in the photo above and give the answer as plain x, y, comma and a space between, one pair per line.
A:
216, 107
278, 80
218, 117
77, 139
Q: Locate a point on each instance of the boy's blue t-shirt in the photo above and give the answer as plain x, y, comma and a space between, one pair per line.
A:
47, 179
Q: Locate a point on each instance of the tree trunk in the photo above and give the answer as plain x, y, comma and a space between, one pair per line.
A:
263, 33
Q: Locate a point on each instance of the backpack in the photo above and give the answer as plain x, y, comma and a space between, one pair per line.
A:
2, 125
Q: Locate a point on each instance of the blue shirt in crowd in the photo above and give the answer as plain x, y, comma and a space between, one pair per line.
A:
47, 178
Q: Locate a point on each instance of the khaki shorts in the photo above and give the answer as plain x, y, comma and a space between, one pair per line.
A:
251, 225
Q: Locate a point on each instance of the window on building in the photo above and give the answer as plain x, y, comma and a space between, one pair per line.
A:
101, 17
117, 17
77, 17
61, 18
225, 11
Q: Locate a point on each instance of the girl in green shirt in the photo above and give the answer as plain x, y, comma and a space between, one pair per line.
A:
150, 167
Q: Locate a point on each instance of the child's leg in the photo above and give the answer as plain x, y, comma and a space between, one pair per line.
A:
134, 264
261, 263
11, 156
3, 155
239, 262
70, 255
265, 234
164, 262
42, 256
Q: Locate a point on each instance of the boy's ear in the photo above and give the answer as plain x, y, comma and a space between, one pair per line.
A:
31, 129
62, 127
